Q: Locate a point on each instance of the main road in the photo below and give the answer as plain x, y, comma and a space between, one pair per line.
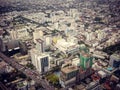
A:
28, 72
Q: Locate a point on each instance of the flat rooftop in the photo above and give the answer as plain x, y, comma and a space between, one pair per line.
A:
116, 56
85, 54
69, 69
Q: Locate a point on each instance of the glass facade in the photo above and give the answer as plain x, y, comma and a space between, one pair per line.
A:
44, 63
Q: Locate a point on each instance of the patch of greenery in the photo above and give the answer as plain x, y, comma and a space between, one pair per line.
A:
54, 79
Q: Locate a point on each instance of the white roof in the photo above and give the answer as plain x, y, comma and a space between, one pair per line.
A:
63, 43
101, 73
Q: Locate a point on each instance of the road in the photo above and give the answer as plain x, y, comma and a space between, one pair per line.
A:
3, 87
34, 75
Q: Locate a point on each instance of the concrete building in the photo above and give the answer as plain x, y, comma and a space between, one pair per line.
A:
40, 60
85, 60
93, 86
19, 32
12, 45
82, 74
71, 74
68, 76
48, 41
75, 61
37, 34
40, 45
43, 63
102, 74
67, 47
90, 36
13, 34
115, 60
34, 53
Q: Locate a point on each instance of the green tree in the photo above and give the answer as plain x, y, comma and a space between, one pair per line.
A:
54, 79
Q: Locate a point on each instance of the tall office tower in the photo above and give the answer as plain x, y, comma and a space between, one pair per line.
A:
40, 60
115, 60
43, 63
85, 60
34, 53
40, 45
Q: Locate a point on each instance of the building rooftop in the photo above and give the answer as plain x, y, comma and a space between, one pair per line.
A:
86, 54
38, 53
116, 56
80, 87
69, 69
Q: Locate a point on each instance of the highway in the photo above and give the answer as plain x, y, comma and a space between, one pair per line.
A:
34, 75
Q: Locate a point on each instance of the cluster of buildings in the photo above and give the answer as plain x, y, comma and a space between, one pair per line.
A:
76, 70
71, 39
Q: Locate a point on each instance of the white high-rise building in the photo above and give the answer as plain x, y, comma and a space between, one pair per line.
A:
36, 35
40, 45
114, 60
34, 53
43, 63
48, 40
40, 60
